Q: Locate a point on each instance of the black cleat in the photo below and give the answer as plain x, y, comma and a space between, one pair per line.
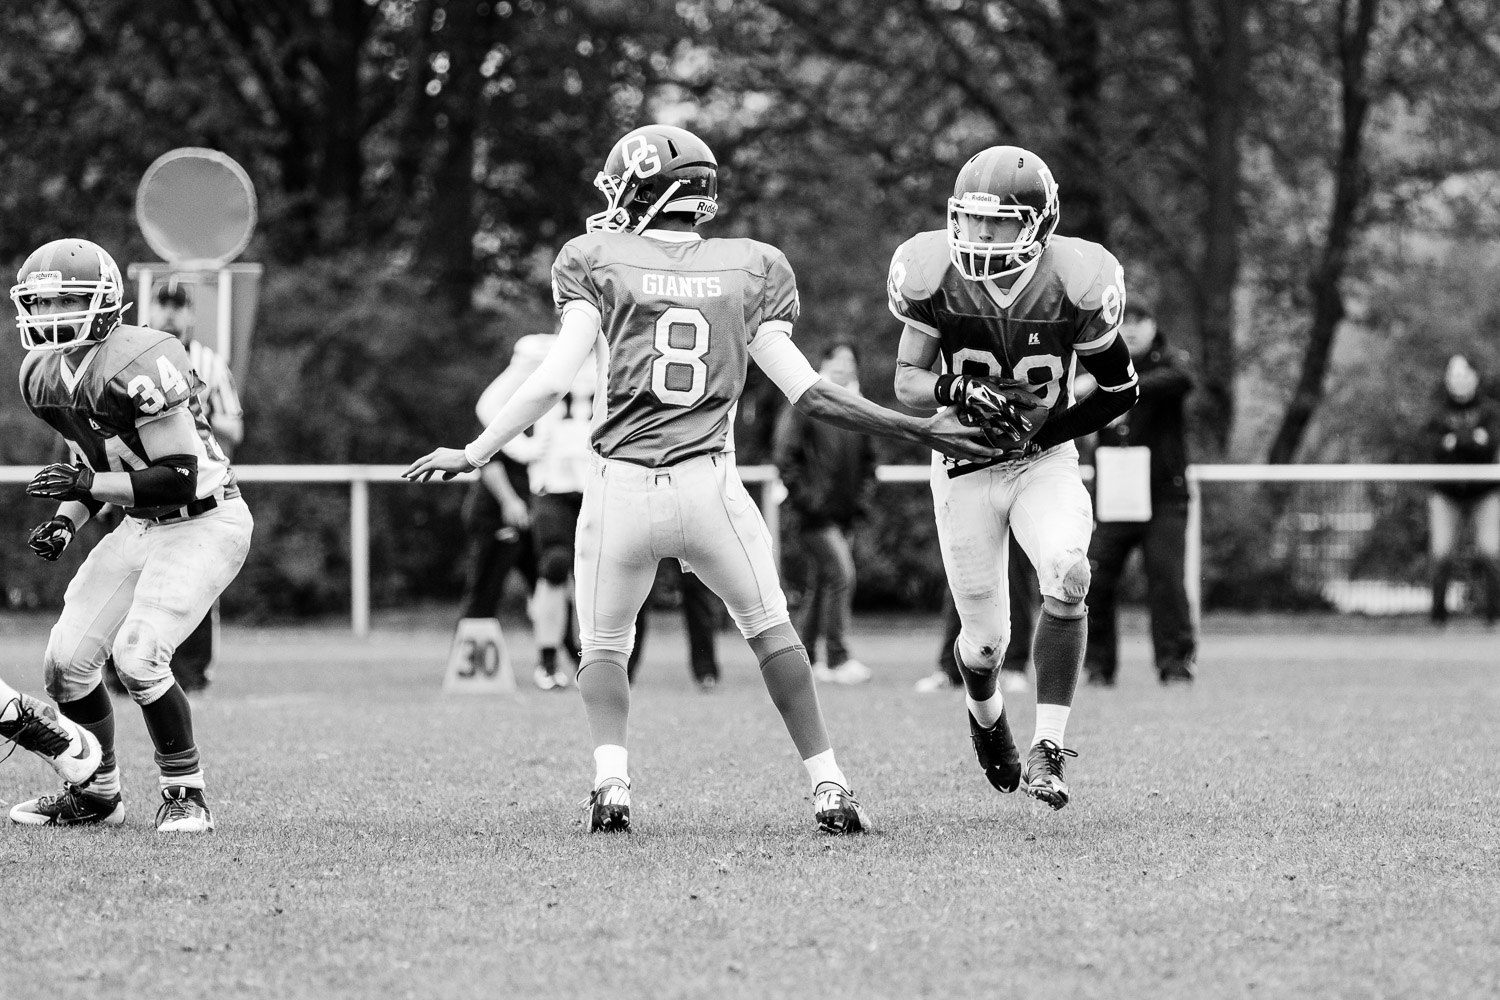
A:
838, 811
997, 753
1043, 778
608, 808
73, 806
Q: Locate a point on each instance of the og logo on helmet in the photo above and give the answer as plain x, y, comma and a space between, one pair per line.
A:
641, 157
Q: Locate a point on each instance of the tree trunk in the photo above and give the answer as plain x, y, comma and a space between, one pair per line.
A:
1219, 47
341, 166
447, 251
1077, 60
1325, 283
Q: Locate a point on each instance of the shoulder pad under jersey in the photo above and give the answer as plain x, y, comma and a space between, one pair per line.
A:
149, 369
917, 270
1093, 278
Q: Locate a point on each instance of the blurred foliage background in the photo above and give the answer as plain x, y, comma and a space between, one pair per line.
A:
1307, 192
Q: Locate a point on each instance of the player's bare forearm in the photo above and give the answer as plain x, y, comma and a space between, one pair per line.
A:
838, 406
914, 386
113, 487
73, 510
916, 381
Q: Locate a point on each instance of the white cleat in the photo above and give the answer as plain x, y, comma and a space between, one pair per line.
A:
183, 810
72, 750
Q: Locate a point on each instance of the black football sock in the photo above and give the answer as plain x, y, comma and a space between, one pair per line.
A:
1058, 654
95, 712
169, 721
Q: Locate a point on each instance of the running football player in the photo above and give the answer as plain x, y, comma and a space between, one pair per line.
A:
674, 320
997, 296
125, 399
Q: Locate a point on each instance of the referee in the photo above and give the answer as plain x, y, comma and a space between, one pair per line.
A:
172, 312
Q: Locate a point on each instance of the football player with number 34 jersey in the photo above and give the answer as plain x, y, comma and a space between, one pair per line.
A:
998, 297
125, 399
673, 321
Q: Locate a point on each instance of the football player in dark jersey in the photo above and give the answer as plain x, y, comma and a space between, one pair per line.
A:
673, 321
125, 399
998, 295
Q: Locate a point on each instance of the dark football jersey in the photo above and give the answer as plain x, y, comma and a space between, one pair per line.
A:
135, 376
1069, 304
678, 317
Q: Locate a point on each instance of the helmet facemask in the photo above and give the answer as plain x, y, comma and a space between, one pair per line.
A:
983, 259
88, 271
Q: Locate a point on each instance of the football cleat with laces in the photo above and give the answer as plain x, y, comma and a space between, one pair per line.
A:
608, 808
73, 806
1043, 777
183, 810
997, 752
838, 811
72, 750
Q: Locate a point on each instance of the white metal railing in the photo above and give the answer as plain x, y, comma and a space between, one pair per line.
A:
359, 478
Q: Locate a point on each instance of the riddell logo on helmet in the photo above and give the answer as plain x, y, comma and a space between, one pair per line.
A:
981, 199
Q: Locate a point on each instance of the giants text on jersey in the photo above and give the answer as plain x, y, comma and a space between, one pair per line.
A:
136, 375
677, 313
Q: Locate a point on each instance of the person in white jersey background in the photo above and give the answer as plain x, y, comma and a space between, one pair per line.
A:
673, 321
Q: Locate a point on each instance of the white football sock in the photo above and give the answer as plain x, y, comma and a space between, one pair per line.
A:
610, 762
105, 783
986, 712
822, 767
1051, 721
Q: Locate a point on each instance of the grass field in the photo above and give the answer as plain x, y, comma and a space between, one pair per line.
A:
1319, 816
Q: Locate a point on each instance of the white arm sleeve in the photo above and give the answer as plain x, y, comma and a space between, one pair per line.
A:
776, 355
542, 389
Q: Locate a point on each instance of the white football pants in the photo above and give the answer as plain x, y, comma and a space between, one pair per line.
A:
1045, 503
139, 593
697, 511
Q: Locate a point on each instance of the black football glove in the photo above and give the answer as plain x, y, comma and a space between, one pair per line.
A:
50, 538
60, 481
991, 403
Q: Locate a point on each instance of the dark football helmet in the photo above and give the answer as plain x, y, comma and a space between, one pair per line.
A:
1002, 182
655, 169
68, 267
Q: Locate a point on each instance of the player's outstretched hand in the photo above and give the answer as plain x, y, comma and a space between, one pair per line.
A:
49, 538
947, 434
60, 481
448, 461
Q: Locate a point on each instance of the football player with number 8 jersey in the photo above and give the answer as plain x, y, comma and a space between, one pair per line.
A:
674, 320
125, 399
998, 300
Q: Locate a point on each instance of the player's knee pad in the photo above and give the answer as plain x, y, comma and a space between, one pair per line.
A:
605, 636
66, 678
982, 653
143, 661
555, 563
1068, 578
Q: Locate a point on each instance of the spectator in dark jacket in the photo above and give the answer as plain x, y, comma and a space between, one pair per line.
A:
828, 473
1156, 423
1466, 430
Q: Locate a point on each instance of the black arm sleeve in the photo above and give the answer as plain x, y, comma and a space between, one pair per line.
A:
170, 481
1116, 394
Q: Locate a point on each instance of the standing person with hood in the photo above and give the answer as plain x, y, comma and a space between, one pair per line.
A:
828, 472
1156, 423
